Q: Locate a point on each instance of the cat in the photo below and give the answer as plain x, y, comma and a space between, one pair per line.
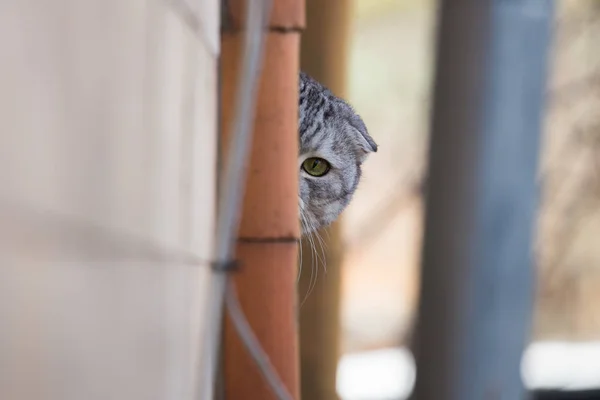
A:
334, 142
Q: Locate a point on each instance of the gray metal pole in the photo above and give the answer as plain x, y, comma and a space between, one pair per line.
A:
477, 278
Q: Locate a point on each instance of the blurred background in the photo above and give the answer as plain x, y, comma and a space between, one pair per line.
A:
379, 56
134, 196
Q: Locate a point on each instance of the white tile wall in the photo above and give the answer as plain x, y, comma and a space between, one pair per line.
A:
107, 141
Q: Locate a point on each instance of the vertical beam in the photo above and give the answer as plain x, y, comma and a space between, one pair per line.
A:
476, 289
323, 56
269, 230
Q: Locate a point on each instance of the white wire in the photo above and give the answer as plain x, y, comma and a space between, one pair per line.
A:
230, 197
253, 346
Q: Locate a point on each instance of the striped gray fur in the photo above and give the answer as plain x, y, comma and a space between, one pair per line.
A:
330, 129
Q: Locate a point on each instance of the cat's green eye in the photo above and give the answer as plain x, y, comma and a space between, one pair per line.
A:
316, 166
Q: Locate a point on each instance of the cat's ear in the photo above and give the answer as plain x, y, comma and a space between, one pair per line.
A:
364, 140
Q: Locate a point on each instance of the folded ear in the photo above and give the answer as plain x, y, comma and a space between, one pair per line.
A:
363, 139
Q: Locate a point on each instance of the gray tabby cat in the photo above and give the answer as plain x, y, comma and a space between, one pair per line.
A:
334, 142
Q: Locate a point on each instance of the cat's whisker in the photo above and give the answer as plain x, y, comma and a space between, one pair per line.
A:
313, 262
299, 262
313, 277
316, 251
303, 226
317, 257
327, 233
323, 248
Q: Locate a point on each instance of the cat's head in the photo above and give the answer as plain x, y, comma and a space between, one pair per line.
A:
334, 142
